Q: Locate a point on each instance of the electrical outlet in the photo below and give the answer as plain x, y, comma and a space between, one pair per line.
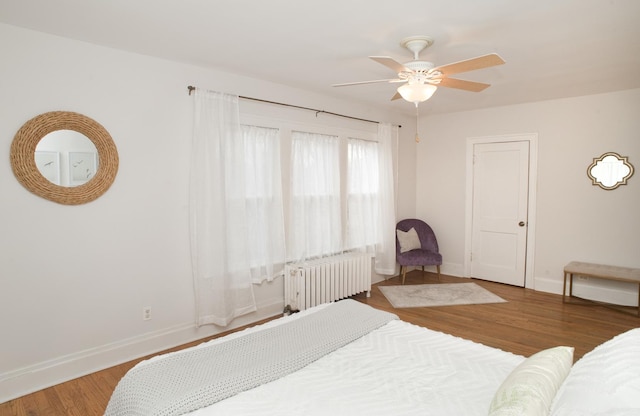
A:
146, 314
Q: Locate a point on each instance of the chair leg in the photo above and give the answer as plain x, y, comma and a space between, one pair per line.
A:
438, 267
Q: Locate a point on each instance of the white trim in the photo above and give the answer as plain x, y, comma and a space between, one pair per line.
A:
624, 294
286, 126
532, 138
29, 379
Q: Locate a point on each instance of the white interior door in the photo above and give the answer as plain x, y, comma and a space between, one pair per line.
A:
499, 211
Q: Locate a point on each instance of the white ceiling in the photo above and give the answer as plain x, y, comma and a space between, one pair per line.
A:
552, 48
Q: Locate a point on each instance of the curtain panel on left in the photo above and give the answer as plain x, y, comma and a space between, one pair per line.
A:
221, 205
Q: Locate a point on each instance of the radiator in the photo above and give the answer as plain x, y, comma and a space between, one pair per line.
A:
326, 280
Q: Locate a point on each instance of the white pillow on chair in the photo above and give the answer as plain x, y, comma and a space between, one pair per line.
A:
408, 240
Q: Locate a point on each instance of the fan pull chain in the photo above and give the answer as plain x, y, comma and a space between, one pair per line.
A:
417, 137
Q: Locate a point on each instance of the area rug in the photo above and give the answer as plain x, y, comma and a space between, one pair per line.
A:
438, 294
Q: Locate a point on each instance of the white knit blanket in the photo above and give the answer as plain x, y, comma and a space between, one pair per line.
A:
191, 379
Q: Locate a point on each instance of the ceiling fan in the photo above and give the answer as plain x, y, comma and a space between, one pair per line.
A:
421, 78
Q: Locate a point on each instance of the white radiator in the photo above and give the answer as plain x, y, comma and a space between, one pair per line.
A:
326, 280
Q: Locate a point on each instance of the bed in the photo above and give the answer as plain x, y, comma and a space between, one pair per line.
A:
346, 358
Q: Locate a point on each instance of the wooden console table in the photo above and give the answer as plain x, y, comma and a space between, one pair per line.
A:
600, 271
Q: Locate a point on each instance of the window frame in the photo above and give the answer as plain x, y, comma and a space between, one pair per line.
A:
344, 132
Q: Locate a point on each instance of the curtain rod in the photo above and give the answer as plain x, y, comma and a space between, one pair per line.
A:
192, 88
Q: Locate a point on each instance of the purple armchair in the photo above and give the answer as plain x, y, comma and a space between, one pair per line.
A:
426, 255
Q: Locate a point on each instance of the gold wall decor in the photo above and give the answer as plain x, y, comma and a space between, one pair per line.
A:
610, 170
24, 166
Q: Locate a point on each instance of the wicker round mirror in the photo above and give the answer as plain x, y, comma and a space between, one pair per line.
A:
23, 160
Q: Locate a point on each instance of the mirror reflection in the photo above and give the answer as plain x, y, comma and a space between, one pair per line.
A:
66, 158
610, 170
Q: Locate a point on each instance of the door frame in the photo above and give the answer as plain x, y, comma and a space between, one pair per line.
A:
532, 138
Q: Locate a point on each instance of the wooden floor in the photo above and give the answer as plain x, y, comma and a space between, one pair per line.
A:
528, 322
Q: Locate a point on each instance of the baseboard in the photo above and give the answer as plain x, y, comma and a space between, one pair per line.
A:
617, 293
26, 380
450, 269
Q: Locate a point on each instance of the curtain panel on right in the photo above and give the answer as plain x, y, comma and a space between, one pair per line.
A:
385, 260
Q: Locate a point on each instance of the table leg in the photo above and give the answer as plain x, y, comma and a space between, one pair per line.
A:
570, 284
564, 287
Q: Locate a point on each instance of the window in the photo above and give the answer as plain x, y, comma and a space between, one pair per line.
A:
363, 185
236, 215
315, 223
263, 197
330, 187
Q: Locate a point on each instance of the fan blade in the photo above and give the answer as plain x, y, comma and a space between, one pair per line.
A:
472, 64
396, 96
462, 84
391, 63
369, 82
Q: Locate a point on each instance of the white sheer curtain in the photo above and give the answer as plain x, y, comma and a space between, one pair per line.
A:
265, 217
385, 262
315, 223
222, 279
362, 194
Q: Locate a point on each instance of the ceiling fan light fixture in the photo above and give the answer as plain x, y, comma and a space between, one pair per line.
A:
417, 92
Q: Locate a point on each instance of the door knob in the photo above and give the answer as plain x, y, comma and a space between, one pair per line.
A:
521, 223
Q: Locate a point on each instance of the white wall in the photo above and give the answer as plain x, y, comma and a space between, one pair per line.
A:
74, 279
575, 220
